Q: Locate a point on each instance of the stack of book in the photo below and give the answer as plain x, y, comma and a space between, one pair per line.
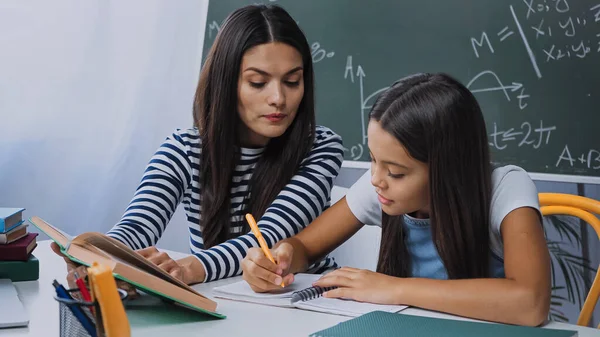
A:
17, 262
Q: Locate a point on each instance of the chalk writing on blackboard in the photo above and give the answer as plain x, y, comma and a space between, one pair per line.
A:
526, 135
590, 160
318, 53
213, 29
508, 89
366, 103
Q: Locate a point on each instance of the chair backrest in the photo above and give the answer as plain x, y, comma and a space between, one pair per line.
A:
583, 208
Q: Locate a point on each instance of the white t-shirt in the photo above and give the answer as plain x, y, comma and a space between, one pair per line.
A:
512, 188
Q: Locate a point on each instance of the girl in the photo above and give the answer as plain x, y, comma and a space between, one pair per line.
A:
254, 148
457, 236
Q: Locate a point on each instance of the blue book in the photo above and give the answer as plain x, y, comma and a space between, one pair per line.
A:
10, 218
379, 323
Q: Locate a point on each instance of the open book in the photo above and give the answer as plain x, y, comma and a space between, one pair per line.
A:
241, 291
127, 265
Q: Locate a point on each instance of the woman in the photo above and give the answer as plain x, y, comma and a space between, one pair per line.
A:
254, 148
457, 236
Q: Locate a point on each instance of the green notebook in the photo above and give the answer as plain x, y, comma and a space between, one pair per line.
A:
18, 271
379, 323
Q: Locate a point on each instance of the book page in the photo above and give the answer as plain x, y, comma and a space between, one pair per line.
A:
58, 236
123, 254
155, 285
139, 278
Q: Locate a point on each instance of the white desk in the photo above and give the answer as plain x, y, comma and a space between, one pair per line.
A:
161, 320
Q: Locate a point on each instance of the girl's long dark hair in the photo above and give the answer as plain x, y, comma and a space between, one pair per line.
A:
216, 116
439, 122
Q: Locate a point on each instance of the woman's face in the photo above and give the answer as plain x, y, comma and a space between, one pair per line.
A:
401, 182
270, 89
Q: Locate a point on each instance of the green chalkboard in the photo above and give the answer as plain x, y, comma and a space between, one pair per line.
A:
534, 66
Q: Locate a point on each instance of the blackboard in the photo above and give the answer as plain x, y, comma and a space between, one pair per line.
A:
534, 66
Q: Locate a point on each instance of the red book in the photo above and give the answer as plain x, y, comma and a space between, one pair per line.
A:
18, 250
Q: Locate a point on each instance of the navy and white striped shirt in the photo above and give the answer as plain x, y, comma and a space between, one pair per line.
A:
171, 177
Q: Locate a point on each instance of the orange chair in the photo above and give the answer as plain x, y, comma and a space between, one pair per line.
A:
583, 208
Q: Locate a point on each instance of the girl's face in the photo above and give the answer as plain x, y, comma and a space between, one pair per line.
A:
270, 89
401, 182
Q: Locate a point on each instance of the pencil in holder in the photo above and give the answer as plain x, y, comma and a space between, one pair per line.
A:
81, 318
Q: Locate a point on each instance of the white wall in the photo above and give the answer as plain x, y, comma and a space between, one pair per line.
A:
88, 91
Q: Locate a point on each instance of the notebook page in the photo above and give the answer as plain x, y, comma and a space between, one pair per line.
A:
241, 291
345, 307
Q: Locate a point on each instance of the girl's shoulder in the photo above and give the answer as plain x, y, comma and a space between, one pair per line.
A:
510, 177
512, 188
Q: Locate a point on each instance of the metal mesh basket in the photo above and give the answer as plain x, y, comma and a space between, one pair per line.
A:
70, 325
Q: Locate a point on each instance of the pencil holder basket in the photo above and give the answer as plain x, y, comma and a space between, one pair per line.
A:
70, 325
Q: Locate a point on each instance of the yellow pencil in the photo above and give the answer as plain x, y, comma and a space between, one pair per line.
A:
261, 240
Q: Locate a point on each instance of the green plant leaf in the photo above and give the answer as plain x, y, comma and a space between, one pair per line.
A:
565, 271
575, 270
557, 316
566, 226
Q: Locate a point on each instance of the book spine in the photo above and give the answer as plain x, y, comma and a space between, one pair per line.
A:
20, 270
14, 254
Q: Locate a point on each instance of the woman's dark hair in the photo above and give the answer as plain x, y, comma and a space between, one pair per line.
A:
439, 122
216, 116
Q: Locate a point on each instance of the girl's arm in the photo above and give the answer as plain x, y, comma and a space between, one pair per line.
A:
522, 298
336, 225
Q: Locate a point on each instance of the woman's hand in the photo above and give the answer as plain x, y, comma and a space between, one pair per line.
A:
361, 285
81, 272
70, 264
263, 275
189, 270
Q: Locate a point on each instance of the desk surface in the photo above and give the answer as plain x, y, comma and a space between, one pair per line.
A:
148, 316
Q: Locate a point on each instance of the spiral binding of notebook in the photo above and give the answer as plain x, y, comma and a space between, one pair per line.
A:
309, 293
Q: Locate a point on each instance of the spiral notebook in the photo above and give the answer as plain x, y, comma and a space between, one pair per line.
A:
301, 295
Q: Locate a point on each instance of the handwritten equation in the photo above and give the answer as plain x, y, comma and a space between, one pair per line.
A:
503, 34
549, 31
542, 28
567, 26
525, 135
589, 160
